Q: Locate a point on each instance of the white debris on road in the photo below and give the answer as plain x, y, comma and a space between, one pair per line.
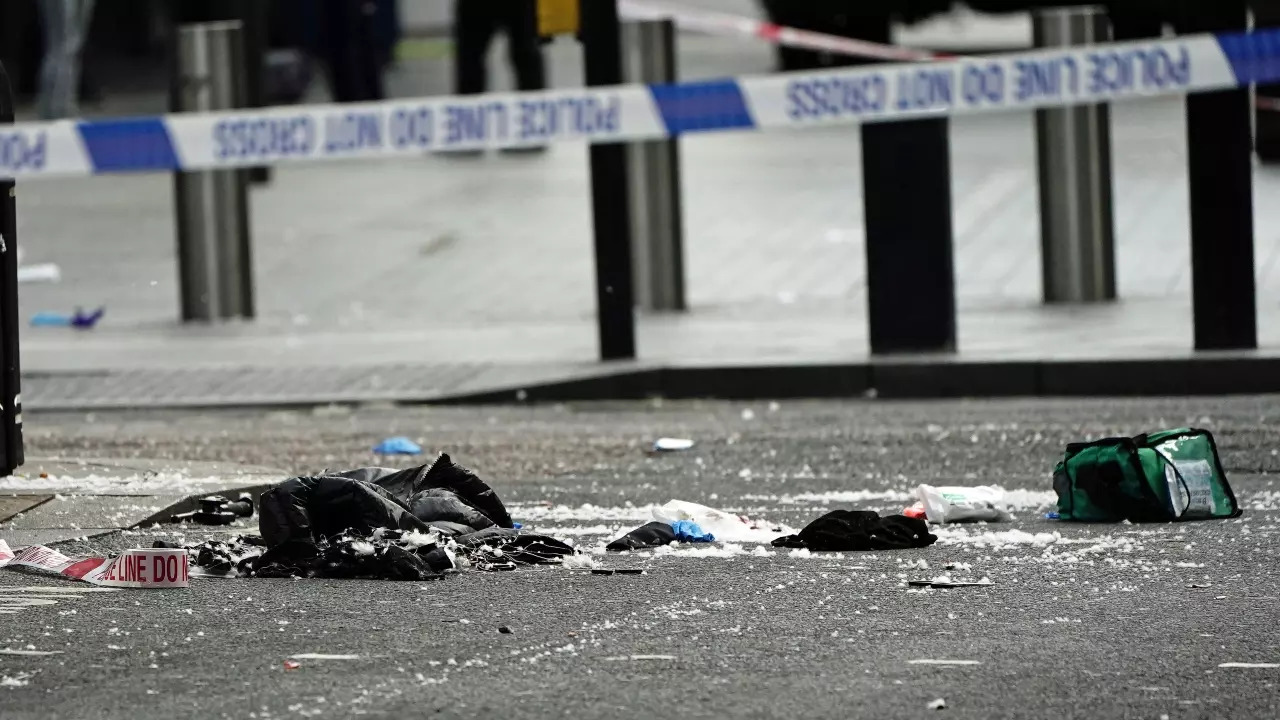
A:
322, 656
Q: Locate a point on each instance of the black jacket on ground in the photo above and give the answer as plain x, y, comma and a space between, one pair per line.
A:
442, 495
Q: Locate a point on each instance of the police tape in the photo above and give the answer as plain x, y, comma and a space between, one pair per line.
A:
736, 25
625, 113
138, 568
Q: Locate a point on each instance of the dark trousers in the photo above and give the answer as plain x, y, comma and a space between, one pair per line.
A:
474, 25
349, 50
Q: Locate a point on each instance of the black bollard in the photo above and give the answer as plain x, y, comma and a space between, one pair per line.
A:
11, 451
906, 176
1220, 153
610, 191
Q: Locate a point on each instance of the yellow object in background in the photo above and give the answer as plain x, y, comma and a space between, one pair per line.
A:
558, 17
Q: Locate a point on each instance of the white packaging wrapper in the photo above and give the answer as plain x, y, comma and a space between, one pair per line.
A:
944, 505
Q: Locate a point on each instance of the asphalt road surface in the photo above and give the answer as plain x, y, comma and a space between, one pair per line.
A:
1114, 621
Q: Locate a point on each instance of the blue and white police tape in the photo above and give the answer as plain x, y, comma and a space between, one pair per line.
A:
1045, 78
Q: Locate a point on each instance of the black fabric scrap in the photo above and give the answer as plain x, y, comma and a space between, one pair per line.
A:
497, 545
354, 556
850, 530
655, 534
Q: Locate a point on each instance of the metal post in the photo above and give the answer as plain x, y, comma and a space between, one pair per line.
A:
1077, 220
1220, 155
656, 212
610, 193
11, 450
212, 208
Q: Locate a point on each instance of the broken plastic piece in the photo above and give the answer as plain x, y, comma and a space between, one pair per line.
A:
291, 665
50, 319
398, 446
672, 444
44, 272
938, 704
624, 571
504, 630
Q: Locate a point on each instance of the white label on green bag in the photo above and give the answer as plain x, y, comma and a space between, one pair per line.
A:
1197, 495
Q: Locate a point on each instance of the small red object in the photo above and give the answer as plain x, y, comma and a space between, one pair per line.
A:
915, 511
291, 665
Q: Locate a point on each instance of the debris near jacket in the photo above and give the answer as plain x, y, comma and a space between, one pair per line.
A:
380, 555
686, 522
654, 534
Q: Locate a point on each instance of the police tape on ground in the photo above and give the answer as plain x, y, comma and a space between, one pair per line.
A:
1045, 78
138, 568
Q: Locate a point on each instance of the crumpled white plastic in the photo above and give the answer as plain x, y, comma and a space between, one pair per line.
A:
944, 505
725, 526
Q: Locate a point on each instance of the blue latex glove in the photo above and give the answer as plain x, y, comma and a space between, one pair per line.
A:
688, 531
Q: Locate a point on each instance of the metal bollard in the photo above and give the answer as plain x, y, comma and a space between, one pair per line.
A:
657, 249
11, 444
1077, 223
212, 208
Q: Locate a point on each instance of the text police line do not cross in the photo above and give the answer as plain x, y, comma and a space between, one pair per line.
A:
423, 126
625, 113
1052, 79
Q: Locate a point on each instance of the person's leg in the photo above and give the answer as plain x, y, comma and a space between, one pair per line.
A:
368, 56
524, 46
82, 23
473, 28
70, 18
55, 20
337, 42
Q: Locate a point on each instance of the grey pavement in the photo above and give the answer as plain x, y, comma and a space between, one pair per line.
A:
432, 263
1099, 621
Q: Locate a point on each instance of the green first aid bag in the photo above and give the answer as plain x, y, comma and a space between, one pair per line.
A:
1167, 476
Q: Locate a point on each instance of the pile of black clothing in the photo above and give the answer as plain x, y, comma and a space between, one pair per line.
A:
860, 530
414, 524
